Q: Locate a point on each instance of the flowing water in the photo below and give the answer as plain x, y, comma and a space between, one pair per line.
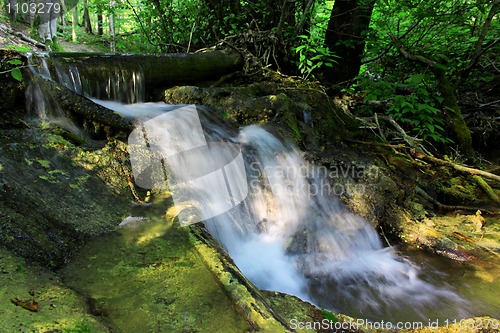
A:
291, 234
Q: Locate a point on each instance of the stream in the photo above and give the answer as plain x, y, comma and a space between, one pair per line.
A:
275, 216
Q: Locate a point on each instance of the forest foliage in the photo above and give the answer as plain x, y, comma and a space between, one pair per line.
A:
416, 61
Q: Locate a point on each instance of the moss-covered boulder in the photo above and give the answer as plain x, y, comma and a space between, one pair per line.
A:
53, 307
55, 196
304, 115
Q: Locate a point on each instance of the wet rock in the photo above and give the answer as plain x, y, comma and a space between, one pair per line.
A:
432, 241
54, 203
307, 117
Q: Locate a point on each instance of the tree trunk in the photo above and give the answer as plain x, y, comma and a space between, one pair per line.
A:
112, 44
79, 107
345, 37
100, 24
453, 111
62, 13
47, 28
86, 17
75, 23
10, 6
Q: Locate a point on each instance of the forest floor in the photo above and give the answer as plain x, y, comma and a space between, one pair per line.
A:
13, 36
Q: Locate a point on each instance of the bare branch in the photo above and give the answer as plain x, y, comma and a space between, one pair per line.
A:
383, 53
410, 56
479, 49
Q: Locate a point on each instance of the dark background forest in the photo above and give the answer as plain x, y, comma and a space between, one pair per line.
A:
432, 66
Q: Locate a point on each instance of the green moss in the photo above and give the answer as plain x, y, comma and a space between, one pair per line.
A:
59, 307
245, 296
150, 278
293, 309
456, 190
44, 218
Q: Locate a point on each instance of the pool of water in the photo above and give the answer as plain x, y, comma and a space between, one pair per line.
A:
475, 283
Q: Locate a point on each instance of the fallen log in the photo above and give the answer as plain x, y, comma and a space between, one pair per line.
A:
159, 70
74, 104
486, 188
455, 166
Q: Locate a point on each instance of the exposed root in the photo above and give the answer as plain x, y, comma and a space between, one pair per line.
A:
443, 207
458, 167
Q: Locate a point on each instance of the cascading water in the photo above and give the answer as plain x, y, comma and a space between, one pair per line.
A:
292, 235
116, 84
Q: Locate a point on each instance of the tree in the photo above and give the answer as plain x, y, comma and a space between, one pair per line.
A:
112, 25
86, 17
100, 23
436, 45
74, 24
345, 37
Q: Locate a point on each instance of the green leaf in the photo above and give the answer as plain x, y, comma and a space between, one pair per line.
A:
18, 48
15, 62
16, 74
329, 316
416, 79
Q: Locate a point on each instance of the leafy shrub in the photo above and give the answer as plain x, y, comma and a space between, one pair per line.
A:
417, 107
313, 55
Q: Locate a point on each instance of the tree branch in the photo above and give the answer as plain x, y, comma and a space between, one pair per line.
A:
302, 21
383, 53
410, 56
478, 48
458, 167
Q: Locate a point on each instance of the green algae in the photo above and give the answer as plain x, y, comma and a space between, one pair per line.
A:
60, 308
256, 308
150, 278
53, 204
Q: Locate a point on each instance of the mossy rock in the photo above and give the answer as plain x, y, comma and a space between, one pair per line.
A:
59, 309
50, 203
307, 117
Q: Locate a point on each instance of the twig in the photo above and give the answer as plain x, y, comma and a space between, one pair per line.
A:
470, 240
191, 37
400, 146
412, 141
455, 166
488, 104
440, 206
10, 70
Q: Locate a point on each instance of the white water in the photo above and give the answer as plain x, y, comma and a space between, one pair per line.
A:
291, 235
115, 84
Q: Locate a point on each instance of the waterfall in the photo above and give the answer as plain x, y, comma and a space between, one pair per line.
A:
115, 83
291, 233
